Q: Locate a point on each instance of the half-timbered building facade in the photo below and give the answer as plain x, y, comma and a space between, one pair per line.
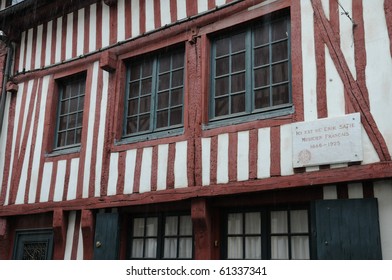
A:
196, 129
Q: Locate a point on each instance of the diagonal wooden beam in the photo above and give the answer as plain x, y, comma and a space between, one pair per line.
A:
356, 93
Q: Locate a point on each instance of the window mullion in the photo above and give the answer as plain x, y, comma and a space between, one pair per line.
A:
154, 94
249, 63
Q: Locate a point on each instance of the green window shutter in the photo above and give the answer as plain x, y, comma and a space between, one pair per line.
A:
106, 236
346, 229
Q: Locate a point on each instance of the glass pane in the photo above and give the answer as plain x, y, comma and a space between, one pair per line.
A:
81, 103
132, 125
279, 30
238, 42
164, 81
170, 248
144, 122
253, 223
221, 86
261, 56
221, 107
135, 71
162, 118
238, 82
146, 86
238, 103
234, 223
134, 89
185, 225
279, 51
79, 119
171, 225
280, 72
150, 250
137, 248
299, 221
73, 105
222, 46
253, 247
70, 137
178, 60
78, 136
152, 226
222, 66
147, 68
63, 123
75, 88
144, 104
279, 222
234, 248
280, 94
176, 116
262, 98
164, 63
238, 62
300, 247
176, 97
67, 91
185, 250
61, 139
72, 120
132, 107
177, 77
262, 77
138, 227
163, 100
64, 107
261, 36
279, 247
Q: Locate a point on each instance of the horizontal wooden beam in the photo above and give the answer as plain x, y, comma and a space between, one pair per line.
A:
322, 177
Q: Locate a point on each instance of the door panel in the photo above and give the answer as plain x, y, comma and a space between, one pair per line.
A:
106, 236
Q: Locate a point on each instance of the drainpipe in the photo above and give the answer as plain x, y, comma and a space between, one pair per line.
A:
7, 71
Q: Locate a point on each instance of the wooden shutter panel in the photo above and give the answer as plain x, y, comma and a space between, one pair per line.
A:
106, 236
347, 229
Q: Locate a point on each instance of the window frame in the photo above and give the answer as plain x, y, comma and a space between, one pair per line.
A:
61, 83
265, 231
250, 113
160, 236
153, 132
33, 235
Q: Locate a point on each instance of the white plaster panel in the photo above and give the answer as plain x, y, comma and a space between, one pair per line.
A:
206, 160
222, 175
286, 150
145, 174
264, 153
130, 164
69, 35
243, 156
60, 179
334, 88
135, 17
330, 192
163, 152
181, 165
73, 179
113, 174
46, 179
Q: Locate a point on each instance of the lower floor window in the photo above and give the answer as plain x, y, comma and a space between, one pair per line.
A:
282, 234
162, 237
33, 245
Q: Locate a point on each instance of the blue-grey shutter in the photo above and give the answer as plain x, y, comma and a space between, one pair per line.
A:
347, 229
106, 236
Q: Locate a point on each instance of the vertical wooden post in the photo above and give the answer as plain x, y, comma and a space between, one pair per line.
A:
88, 234
59, 234
4, 239
201, 219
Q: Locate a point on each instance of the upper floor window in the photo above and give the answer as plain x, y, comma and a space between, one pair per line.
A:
154, 95
251, 69
70, 111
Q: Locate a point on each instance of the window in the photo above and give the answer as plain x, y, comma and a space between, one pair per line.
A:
154, 93
251, 69
33, 245
70, 111
267, 234
161, 237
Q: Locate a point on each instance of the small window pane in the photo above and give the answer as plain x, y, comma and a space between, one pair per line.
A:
146, 86
72, 120
70, 137
137, 248
163, 100
64, 107
261, 56
178, 60
144, 104
280, 94
147, 68
78, 135
132, 107
253, 223
81, 103
222, 66
150, 250
222, 86
152, 226
279, 222
238, 82
144, 122
238, 62
238, 42
138, 227
170, 248
134, 89
279, 51
176, 116
162, 118
177, 78
171, 225
222, 46
185, 249
280, 73
63, 123
253, 247
262, 77
176, 97
132, 125
279, 247
300, 247
235, 248
135, 71
164, 81
73, 105
262, 98
238, 103
185, 225
234, 223
61, 139
299, 221
279, 30
164, 63
221, 107
79, 119
261, 36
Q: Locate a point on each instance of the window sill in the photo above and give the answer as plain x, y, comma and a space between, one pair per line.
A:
150, 136
64, 151
234, 120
